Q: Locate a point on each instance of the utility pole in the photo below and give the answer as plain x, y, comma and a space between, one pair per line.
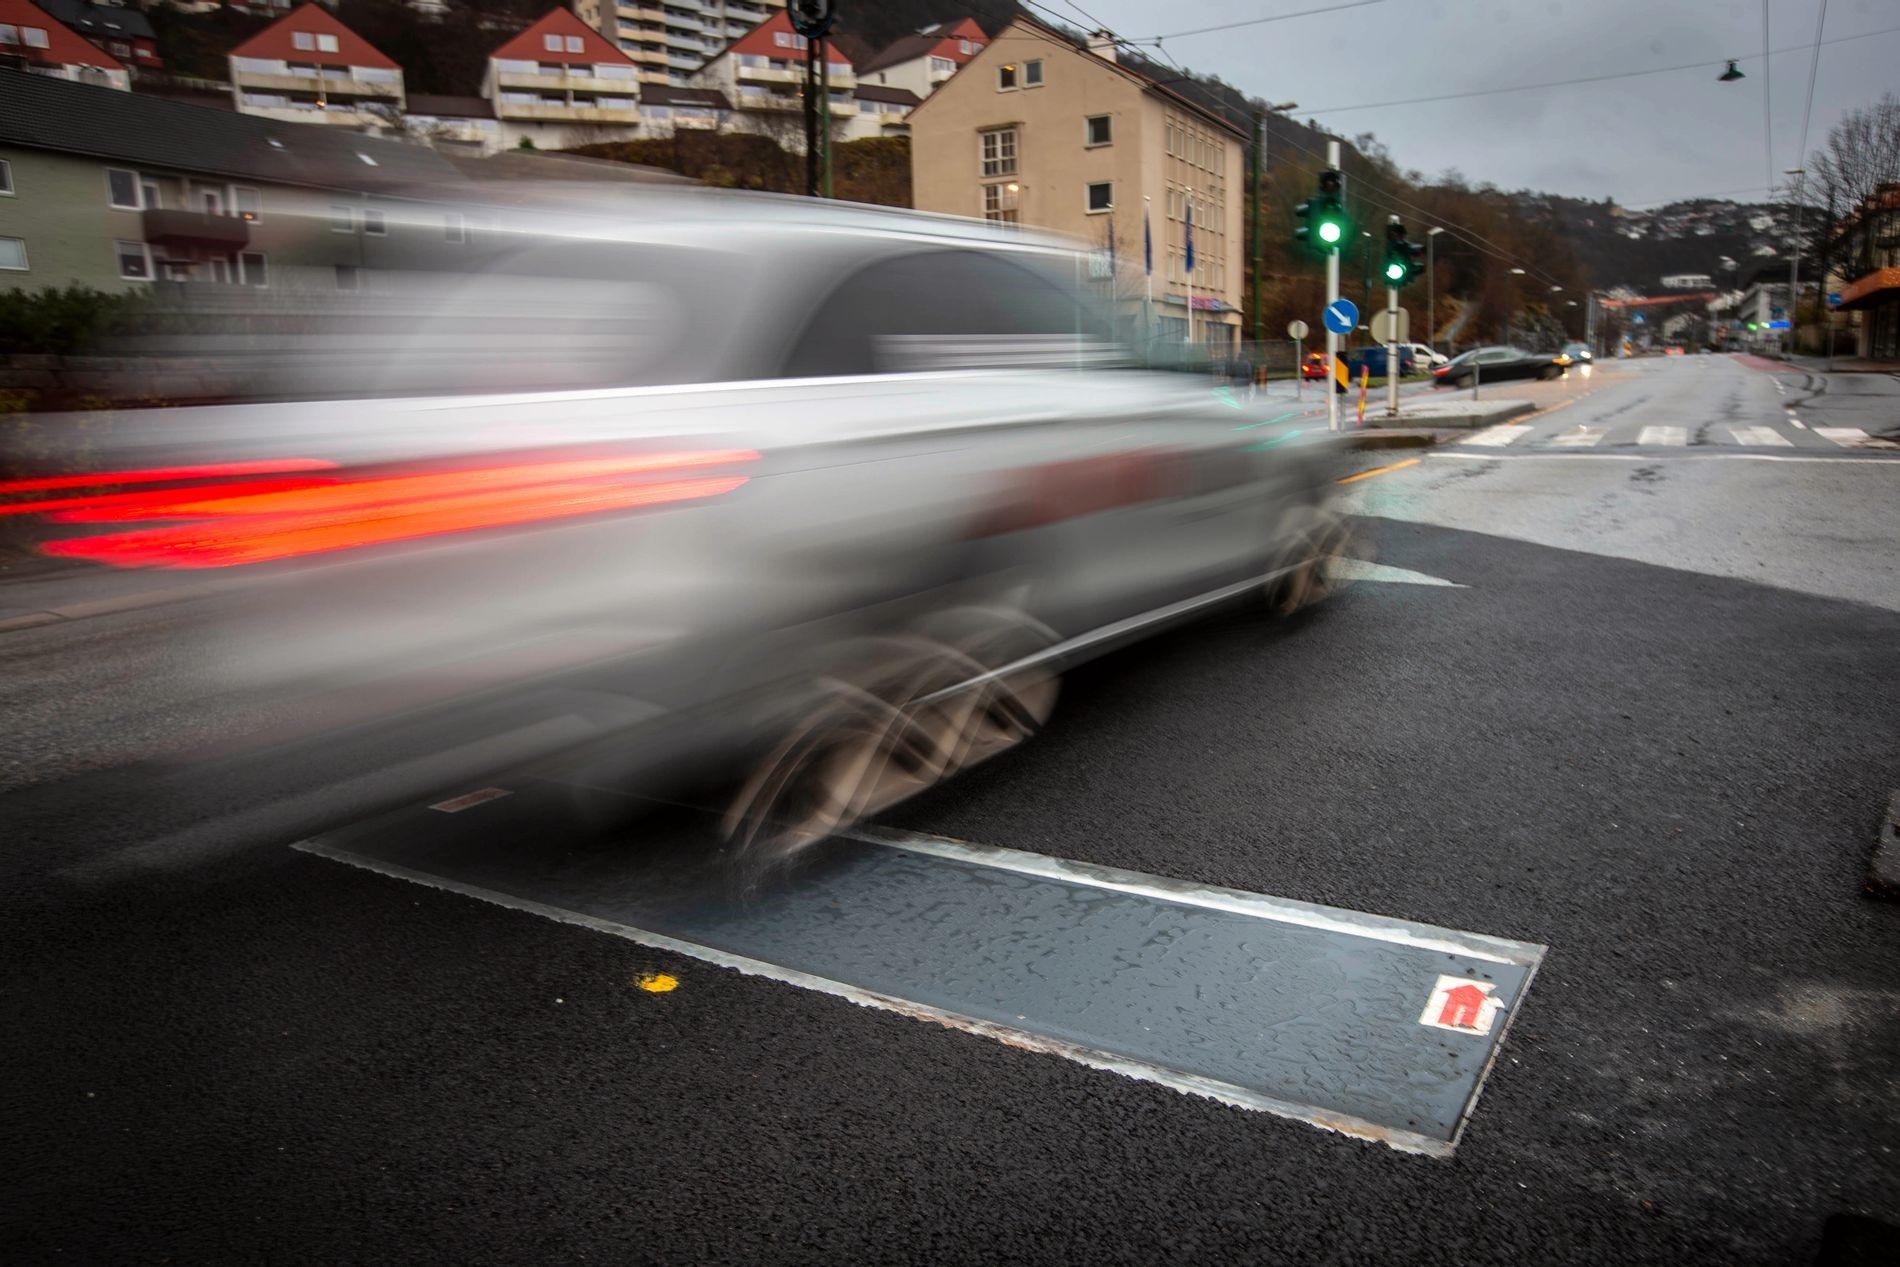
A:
1332, 296
1431, 288
1794, 270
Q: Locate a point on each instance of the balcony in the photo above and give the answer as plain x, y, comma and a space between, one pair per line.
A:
328, 85
332, 116
564, 83
194, 228
551, 113
767, 75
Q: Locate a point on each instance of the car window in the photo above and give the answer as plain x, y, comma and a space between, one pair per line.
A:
1493, 355
948, 309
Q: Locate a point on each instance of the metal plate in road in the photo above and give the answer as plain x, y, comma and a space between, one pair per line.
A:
1376, 1027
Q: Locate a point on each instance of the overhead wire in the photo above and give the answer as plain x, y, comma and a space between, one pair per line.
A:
1230, 26
1767, 93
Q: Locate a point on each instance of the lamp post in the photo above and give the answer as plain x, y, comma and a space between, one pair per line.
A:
1258, 163
1794, 270
1431, 288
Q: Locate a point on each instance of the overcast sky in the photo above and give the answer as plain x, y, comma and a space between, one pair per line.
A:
1643, 140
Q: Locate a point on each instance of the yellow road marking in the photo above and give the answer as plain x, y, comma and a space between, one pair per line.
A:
1379, 470
657, 982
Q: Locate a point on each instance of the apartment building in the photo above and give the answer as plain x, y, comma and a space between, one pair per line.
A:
1035, 130
307, 67
881, 111
665, 110
34, 41
671, 39
919, 63
561, 83
762, 74
117, 190
123, 32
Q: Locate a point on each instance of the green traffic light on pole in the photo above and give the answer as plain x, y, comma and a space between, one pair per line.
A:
1324, 214
1401, 256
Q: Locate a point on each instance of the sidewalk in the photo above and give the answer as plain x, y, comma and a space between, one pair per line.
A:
1842, 365
33, 595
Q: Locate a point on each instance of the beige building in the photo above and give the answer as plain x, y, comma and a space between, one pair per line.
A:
1035, 130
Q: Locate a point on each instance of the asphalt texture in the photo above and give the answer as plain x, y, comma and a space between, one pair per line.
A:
1623, 745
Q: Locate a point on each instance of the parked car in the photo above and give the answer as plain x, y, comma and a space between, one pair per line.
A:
1425, 356
1493, 364
807, 504
1373, 359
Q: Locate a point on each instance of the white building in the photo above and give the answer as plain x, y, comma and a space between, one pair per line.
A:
671, 39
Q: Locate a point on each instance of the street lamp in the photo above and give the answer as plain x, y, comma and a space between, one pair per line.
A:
1258, 162
1431, 285
1517, 272
1794, 270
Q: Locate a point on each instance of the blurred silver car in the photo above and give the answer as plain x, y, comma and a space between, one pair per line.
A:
814, 500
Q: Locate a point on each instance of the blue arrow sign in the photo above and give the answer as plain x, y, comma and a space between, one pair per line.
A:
1341, 316
1833, 298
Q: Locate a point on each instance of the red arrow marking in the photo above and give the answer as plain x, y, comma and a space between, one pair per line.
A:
1463, 1006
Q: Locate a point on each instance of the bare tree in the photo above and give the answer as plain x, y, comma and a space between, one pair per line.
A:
1862, 152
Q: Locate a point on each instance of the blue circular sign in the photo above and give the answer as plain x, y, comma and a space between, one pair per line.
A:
1341, 316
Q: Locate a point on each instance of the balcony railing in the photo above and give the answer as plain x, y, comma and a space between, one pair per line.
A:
195, 226
328, 85
549, 112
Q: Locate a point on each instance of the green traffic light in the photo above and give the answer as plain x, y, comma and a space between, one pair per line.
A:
1395, 272
1329, 231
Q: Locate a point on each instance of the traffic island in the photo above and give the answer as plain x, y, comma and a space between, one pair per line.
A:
1883, 877
1461, 412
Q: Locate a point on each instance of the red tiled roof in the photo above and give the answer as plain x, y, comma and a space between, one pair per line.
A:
64, 46
942, 40
274, 42
531, 46
762, 41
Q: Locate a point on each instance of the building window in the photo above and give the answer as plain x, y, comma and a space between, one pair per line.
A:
254, 268
135, 261
342, 220
13, 255
120, 49
122, 189
999, 203
454, 227
303, 41
373, 224
33, 36
575, 44
1032, 74
782, 38
6, 178
347, 277
999, 152
1005, 78
1099, 132
942, 66
552, 43
1101, 196
246, 203
966, 47
210, 201
9, 33
326, 44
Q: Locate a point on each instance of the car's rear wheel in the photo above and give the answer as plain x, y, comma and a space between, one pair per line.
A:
901, 715
1315, 540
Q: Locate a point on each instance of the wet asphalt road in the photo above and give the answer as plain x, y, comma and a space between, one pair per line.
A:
1653, 732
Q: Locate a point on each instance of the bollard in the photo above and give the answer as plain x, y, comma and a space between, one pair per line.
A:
1365, 375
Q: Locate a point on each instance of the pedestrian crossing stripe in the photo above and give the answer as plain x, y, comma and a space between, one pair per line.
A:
1760, 436
1853, 438
1497, 437
1671, 437
1581, 438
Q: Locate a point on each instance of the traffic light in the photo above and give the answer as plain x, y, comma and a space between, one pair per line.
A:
1324, 214
1401, 257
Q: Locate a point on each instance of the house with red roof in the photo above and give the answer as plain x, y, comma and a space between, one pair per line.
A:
920, 62
762, 73
561, 83
307, 67
32, 40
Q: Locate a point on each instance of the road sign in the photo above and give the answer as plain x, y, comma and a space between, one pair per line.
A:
1639, 318
1833, 298
1341, 316
1775, 312
1296, 329
1392, 327
1779, 325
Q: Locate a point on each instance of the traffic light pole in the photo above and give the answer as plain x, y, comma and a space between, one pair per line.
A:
1392, 353
1332, 296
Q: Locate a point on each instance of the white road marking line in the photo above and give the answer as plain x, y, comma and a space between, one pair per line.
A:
1853, 438
1760, 436
1581, 438
1657, 457
1497, 437
1360, 570
455, 805
1797, 422
1674, 437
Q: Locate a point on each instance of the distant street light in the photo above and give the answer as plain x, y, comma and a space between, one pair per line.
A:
1517, 272
1555, 289
1730, 75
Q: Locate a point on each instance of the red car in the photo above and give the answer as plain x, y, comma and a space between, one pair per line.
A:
1314, 366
